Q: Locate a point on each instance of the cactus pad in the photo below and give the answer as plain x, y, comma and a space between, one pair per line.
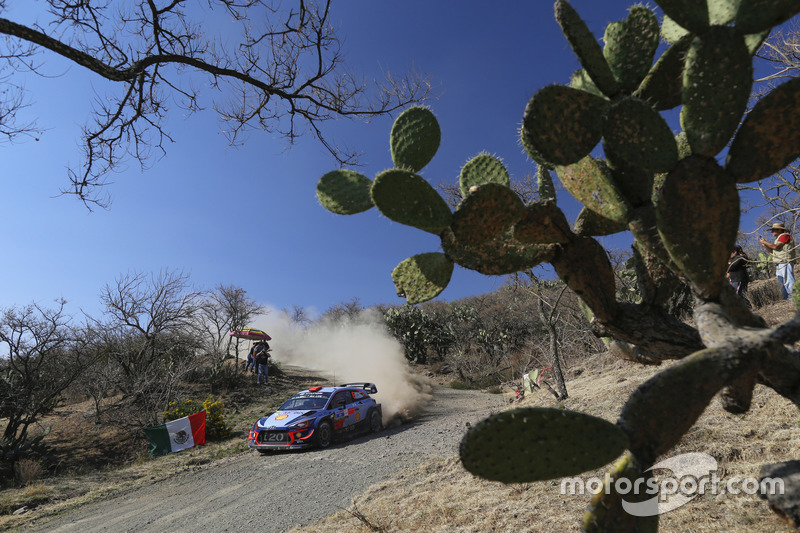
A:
755, 16
485, 213
407, 198
498, 256
672, 32
344, 192
697, 213
586, 47
639, 135
482, 169
584, 266
607, 514
769, 138
415, 138
422, 277
663, 85
544, 184
581, 80
630, 46
716, 89
689, 14
590, 224
563, 124
663, 408
544, 223
536, 444
590, 182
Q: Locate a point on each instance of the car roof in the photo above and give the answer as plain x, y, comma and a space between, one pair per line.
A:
335, 389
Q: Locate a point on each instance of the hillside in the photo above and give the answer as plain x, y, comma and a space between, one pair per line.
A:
441, 496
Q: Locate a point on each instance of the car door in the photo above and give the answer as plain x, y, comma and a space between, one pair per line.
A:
359, 407
338, 407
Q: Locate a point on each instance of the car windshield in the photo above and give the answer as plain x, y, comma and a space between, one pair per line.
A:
306, 401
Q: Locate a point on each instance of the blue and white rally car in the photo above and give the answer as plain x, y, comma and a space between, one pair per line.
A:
316, 416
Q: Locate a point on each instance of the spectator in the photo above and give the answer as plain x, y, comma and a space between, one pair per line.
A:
261, 357
782, 251
737, 273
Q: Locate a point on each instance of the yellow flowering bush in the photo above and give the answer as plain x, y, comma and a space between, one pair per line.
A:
216, 427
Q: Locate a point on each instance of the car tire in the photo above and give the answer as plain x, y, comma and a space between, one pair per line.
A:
324, 434
375, 421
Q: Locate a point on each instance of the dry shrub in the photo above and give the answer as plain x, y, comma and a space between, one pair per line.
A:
27, 471
764, 292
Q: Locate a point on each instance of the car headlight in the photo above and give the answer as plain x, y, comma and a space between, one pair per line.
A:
300, 425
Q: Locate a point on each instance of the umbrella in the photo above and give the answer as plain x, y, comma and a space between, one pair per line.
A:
250, 333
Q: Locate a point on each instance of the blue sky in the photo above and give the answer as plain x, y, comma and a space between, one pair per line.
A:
248, 216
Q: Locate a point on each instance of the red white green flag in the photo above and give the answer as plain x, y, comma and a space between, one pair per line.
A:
177, 435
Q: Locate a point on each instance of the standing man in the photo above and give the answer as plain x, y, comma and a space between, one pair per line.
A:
261, 357
782, 251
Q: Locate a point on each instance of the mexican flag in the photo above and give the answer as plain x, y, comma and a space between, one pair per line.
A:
177, 435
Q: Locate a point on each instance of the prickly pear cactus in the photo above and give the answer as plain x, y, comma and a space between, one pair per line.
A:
415, 138
536, 444
604, 136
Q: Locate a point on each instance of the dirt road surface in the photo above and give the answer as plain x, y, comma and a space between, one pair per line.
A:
276, 492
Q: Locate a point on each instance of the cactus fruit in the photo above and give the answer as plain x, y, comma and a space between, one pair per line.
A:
422, 277
482, 169
407, 198
769, 138
699, 240
663, 85
586, 47
663, 408
590, 182
607, 514
630, 46
563, 124
716, 89
487, 212
536, 444
543, 223
415, 138
344, 192
756, 16
498, 256
639, 135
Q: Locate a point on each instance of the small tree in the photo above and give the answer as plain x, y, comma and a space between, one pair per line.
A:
41, 361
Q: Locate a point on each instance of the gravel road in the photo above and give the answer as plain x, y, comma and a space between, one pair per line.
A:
276, 492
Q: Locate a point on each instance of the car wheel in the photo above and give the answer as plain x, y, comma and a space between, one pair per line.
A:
375, 422
324, 434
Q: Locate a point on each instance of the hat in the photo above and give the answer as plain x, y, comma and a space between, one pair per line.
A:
778, 226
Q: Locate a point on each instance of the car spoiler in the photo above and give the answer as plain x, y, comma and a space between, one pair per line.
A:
368, 387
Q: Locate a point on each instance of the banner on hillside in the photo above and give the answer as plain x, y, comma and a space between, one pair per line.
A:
177, 435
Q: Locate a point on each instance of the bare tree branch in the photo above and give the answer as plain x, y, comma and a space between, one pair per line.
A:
286, 77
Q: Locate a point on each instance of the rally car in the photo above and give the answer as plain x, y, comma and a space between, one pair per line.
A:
316, 416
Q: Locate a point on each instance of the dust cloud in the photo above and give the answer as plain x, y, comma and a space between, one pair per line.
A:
355, 350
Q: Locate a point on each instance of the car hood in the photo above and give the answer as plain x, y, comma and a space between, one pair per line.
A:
280, 419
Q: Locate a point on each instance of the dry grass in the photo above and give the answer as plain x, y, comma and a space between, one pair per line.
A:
442, 497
